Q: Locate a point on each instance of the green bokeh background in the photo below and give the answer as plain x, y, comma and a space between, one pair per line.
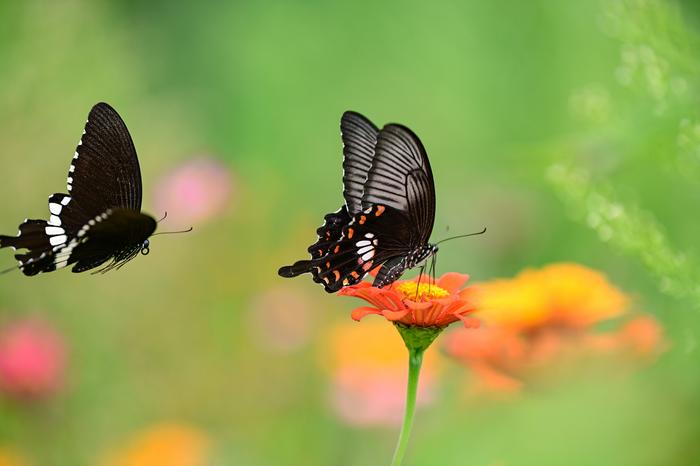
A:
504, 94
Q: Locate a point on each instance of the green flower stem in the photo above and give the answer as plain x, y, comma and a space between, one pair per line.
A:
417, 340
415, 360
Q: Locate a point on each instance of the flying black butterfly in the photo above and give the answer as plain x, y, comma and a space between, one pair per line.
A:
100, 218
388, 213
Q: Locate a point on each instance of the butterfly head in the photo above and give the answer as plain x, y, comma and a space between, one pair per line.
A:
145, 247
421, 254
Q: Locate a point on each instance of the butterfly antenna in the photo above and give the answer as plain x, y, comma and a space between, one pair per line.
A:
11, 269
165, 215
463, 236
173, 232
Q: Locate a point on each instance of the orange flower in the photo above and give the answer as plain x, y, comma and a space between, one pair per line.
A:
417, 305
164, 445
11, 457
563, 295
544, 316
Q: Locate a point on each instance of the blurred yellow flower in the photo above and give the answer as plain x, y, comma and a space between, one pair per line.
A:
10, 457
544, 316
564, 294
168, 444
367, 367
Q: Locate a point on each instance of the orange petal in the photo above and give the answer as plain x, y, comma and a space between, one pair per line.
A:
361, 312
469, 322
421, 306
452, 281
394, 315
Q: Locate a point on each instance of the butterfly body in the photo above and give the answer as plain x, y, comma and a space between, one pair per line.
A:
100, 218
388, 213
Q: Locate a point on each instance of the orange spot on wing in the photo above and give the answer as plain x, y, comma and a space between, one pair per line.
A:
355, 275
350, 233
337, 275
337, 248
380, 210
363, 219
328, 265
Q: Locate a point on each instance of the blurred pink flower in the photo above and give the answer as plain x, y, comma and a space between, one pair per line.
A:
280, 319
32, 359
195, 191
368, 369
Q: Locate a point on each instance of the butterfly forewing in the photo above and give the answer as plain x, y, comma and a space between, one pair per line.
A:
105, 170
359, 139
401, 178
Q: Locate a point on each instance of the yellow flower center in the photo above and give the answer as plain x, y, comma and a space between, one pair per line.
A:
422, 292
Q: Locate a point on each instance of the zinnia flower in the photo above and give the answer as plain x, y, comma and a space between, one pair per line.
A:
544, 316
421, 305
367, 366
32, 359
168, 444
419, 311
195, 191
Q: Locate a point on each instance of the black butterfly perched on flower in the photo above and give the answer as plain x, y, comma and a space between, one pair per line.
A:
99, 219
388, 214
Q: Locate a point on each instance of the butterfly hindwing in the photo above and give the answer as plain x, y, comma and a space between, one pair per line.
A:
366, 243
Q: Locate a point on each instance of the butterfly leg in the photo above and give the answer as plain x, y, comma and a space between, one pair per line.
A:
420, 276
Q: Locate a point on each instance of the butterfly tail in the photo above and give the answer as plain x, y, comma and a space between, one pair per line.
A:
298, 268
32, 235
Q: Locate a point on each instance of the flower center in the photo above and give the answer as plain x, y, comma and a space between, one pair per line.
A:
422, 292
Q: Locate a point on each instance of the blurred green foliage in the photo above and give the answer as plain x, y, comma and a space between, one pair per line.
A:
570, 129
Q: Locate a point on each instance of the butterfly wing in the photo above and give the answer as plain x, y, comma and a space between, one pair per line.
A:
401, 178
359, 139
105, 171
328, 234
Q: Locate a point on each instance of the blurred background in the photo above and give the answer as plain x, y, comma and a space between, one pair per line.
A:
570, 129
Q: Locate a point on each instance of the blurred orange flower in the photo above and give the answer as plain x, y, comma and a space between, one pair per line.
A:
418, 305
543, 316
11, 457
168, 444
32, 359
367, 365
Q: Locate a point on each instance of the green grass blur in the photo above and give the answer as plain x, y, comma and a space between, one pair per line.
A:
536, 115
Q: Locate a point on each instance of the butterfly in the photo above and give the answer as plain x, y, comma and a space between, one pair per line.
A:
99, 220
388, 214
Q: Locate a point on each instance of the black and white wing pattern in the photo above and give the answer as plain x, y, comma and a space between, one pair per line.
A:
388, 214
99, 217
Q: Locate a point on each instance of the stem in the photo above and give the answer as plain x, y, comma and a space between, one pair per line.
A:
415, 359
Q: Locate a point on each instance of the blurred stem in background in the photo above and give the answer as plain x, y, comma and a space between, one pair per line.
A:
415, 360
